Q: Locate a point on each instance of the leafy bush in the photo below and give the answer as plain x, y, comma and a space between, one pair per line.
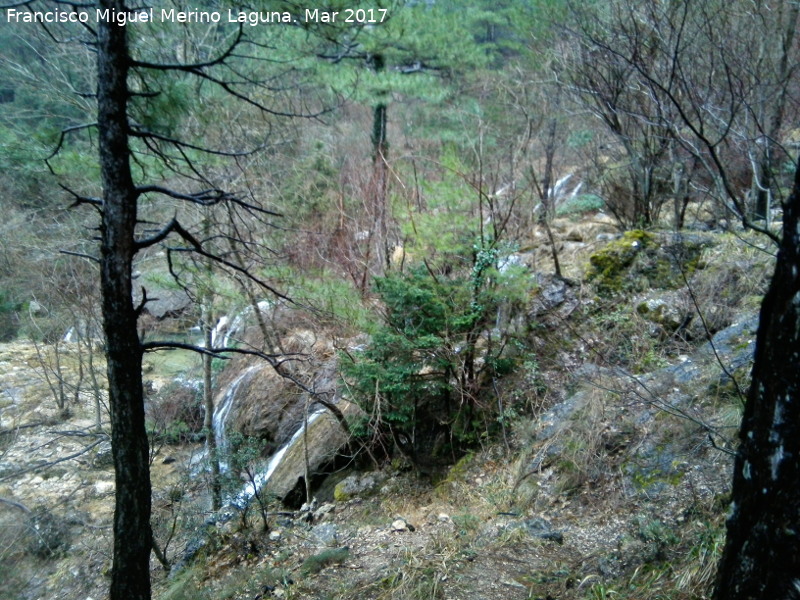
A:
422, 378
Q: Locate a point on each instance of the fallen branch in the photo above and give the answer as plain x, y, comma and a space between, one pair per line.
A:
15, 504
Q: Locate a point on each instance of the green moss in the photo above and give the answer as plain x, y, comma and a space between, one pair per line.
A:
458, 471
639, 260
609, 266
340, 493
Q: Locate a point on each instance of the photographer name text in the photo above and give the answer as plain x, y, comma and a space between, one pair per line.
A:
171, 15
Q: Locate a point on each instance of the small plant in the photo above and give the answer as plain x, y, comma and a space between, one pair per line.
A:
580, 204
600, 591
317, 562
659, 536
241, 484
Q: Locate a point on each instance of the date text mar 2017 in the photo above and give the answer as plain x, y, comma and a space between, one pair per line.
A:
348, 15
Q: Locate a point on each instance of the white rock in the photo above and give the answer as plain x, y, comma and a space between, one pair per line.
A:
103, 487
399, 525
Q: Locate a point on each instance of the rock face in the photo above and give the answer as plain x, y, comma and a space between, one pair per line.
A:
164, 303
320, 444
302, 436
271, 407
267, 406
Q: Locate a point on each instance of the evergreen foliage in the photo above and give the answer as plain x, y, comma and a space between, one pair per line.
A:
424, 376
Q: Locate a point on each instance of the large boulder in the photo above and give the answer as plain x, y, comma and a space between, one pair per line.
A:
319, 444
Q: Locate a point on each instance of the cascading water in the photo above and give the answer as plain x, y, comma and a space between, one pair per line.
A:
228, 329
223, 410
243, 498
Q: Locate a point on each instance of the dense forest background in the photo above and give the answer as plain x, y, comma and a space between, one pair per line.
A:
441, 128
478, 206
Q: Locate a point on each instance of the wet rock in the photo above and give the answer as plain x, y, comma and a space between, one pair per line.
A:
325, 437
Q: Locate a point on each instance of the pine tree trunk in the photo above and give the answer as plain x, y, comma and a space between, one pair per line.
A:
130, 574
761, 559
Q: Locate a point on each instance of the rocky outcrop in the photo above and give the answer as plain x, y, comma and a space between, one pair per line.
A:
290, 409
163, 303
271, 407
318, 444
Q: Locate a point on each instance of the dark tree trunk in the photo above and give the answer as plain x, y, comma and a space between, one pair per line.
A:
761, 559
130, 575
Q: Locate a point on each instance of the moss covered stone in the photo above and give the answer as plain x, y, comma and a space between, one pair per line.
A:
610, 265
640, 260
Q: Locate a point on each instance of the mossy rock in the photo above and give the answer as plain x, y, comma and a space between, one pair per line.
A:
610, 265
640, 260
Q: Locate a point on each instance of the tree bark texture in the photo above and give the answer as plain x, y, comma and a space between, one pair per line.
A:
130, 575
761, 559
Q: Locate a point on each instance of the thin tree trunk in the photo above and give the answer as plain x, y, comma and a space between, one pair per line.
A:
380, 152
207, 327
785, 70
130, 572
208, 403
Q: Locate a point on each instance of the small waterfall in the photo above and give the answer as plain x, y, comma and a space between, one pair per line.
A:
557, 191
228, 328
223, 409
242, 499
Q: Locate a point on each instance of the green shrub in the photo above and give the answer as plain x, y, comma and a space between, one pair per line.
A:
421, 378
